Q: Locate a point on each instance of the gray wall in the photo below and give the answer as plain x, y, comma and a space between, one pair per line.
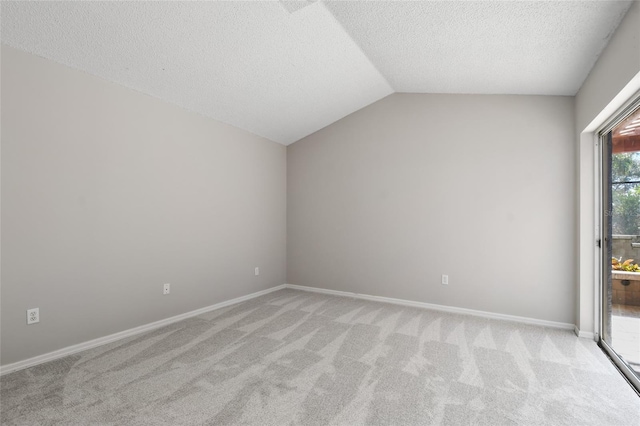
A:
108, 193
611, 82
414, 186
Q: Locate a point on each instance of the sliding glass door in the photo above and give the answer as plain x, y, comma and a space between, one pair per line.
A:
620, 319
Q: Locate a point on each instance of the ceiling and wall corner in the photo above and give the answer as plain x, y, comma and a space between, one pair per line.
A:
285, 69
278, 69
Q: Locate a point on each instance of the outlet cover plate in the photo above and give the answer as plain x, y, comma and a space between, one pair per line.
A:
33, 316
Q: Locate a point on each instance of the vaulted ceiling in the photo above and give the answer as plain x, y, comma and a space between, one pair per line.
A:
285, 69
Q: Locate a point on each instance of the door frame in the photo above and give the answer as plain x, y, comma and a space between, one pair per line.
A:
601, 229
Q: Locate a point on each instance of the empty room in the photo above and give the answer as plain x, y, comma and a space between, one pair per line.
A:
320, 213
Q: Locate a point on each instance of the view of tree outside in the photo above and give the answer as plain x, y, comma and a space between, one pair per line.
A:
625, 197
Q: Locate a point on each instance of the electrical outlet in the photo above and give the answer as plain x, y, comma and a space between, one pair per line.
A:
166, 289
257, 271
445, 280
33, 316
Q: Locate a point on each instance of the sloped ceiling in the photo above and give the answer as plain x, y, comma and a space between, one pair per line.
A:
285, 69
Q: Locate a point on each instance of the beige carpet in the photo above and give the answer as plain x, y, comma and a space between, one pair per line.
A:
293, 357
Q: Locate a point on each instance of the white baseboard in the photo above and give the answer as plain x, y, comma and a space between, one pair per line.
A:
583, 334
10, 368
444, 308
69, 350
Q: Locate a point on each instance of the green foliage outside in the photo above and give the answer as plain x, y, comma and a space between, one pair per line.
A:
625, 197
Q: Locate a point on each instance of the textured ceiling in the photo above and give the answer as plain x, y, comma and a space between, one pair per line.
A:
284, 69
496, 47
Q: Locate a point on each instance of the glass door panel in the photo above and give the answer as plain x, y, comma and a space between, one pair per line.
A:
620, 333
